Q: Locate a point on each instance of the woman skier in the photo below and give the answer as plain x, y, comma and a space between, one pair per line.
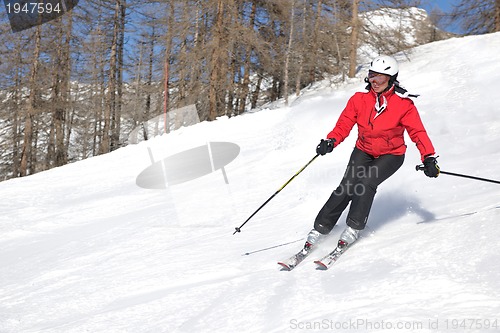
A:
382, 115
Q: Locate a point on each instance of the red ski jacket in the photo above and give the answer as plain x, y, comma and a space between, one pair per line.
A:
381, 133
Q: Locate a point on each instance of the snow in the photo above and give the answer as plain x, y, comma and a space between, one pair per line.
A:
385, 26
84, 249
395, 19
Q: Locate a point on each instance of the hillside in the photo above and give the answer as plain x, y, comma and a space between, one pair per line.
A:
389, 30
84, 249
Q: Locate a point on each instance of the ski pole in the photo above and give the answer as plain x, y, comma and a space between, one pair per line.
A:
421, 167
238, 229
272, 247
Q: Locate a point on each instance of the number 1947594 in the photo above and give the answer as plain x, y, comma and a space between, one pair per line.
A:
33, 8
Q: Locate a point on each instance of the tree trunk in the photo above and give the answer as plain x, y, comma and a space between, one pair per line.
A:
298, 79
115, 137
289, 51
215, 65
246, 67
27, 148
314, 46
61, 151
497, 15
149, 83
256, 92
109, 111
353, 48
15, 121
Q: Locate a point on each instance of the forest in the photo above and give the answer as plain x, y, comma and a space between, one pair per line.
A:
77, 86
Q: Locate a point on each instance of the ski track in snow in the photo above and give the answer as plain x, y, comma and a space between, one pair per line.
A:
86, 250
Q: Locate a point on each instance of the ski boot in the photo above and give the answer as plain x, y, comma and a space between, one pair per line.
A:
348, 236
313, 238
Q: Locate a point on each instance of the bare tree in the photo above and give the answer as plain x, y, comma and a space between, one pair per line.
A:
112, 112
216, 62
27, 154
477, 16
60, 93
76, 87
353, 47
289, 50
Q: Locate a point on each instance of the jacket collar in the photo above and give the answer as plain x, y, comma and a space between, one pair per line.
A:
381, 100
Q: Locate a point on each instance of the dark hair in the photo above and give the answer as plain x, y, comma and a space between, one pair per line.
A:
393, 80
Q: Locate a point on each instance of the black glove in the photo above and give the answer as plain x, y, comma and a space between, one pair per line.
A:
431, 169
325, 146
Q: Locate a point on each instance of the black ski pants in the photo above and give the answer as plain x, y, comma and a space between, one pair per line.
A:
363, 175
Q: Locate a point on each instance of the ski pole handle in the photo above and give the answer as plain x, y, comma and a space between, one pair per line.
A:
421, 168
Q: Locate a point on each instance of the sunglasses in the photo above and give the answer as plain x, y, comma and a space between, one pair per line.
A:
377, 77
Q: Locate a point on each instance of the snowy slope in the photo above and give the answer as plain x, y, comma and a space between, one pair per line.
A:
84, 249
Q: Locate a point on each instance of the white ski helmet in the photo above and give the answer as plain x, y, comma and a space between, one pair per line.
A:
384, 65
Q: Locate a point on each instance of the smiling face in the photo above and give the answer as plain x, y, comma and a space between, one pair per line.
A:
379, 82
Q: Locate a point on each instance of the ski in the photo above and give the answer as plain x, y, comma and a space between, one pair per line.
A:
295, 260
328, 260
